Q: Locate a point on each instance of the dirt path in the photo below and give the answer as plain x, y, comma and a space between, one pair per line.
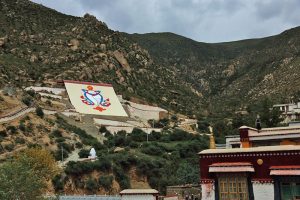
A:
17, 114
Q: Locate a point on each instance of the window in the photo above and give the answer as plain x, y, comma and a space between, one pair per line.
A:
233, 187
235, 146
290, 190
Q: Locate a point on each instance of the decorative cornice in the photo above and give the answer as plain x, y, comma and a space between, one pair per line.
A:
218, 155
262, 181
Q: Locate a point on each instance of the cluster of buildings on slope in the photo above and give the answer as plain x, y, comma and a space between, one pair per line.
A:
256, 164
290, 112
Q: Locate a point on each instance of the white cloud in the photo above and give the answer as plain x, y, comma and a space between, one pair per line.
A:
201, 20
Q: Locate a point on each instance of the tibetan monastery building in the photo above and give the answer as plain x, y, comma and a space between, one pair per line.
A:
260, 164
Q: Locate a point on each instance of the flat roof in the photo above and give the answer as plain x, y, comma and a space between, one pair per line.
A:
252, 149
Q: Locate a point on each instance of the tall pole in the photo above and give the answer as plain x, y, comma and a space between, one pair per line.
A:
147, 137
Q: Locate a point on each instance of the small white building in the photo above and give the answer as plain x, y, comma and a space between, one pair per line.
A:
290, 112
93, 154
139, 194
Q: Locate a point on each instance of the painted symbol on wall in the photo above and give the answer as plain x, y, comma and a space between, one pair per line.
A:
94, 98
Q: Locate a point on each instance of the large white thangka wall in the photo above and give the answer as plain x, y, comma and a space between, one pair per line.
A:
94, 99
263, 191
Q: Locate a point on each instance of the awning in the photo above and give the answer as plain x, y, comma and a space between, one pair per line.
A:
292, 170
231, 167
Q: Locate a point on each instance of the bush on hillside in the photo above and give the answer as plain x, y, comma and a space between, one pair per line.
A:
39, 111
138, 135
84, 153
106, 182
3, 133
102, 164
121, 177
153, 149
11, 129
91, 185
58, 183
27, 100
56, 133
180, 135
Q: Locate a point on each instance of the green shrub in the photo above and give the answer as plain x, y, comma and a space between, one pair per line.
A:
84, 153
9, 147
78, 145
79, 183
138, 135
20, 140
180, 135
31, 145
155, 136
121, 177
60, 140
58, 183
106, 182
102, 129
58, 154
31, 93
102, 164
3, 133
22, 127
153, 149
91, 185
27, 100
134, 145
66, 147
56, 133
39, 111
12, 129
124, 160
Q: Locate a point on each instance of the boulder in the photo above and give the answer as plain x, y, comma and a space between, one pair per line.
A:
3, 41
103, 47
74, 44
33, 58
122, 60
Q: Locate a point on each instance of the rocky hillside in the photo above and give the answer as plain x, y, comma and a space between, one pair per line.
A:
232, 73
39, 46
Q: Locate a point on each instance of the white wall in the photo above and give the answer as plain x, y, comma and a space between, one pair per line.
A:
138, 197
264, 191
208, 191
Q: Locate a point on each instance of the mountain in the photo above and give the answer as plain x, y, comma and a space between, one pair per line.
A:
40, 46
230, 74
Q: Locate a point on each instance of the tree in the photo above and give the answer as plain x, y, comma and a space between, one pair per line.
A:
19, 182
41, 161
26, 175
186, 173
269, 116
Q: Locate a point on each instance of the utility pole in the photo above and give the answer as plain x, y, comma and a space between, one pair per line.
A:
147, 137
152, 128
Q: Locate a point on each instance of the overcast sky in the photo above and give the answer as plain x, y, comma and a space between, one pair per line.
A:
201, 20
